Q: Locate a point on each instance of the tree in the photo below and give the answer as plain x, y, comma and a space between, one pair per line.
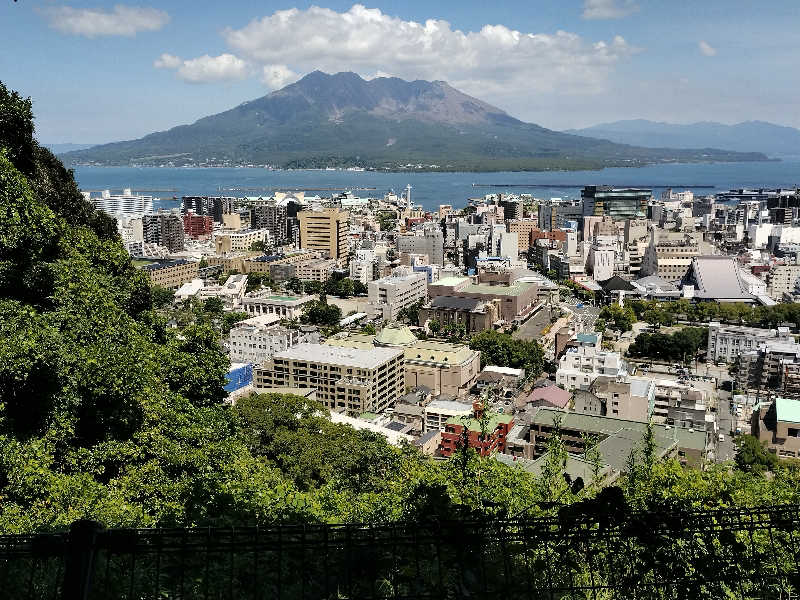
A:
213, 306
359, 289
320, 312
752, 456
435, 326
162, 296
410, 313
618, 318
295, 285
258, 246
502, 350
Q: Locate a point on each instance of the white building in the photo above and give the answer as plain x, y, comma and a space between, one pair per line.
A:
726, 343
437, 413
266, 302
581, 365
429, 241
362, 267
388, 296
239, 241
231, 292
125, 204
257, 339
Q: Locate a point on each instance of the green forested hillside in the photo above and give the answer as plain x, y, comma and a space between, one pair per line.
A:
105, 414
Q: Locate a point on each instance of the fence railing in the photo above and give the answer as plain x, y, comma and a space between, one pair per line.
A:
585, 552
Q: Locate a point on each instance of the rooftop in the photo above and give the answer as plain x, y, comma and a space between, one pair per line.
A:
473, 424
517, 288
787, 410
340, 355
451, 281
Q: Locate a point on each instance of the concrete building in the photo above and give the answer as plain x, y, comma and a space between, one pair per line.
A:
764, 368
716, 279
777, 424
445, 369
430, 243
727, 342
389, 295
516, 300
125, 204
319, 269
231, 292
476, 315
164, 228
267, 303
214, 206
197, 226
349, 380
668, 259
619, 203
325, 231
782, 279
584, 362
171, 274
257, 339
239, 241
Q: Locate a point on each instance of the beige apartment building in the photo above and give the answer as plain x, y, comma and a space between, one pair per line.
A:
781, 279
523, 229
350, 380
325, 231
172, 274
319, 269
239, 241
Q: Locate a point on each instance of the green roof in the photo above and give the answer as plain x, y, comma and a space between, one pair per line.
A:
475, 425
587, 338
368, 416
394, 335
283, 298
787, 410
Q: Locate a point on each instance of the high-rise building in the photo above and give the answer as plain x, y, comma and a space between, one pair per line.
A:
125, 204
619, 203
213, 206
388, 296
273, 217
197, 226
325, 231
165, 229
431, 242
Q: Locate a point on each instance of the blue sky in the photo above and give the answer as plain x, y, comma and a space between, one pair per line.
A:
102, 71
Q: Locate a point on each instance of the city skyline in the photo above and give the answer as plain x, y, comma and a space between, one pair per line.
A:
105, 72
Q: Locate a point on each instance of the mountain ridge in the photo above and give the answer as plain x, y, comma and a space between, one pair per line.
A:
755, 135
343, 120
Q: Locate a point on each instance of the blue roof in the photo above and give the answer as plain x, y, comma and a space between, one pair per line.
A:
587, 338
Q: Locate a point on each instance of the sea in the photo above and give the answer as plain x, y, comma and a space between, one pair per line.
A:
431, 189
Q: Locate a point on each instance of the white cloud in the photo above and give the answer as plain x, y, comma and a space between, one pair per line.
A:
205, 69
706, 48
277, 76
608, 9
494, 61
122, 20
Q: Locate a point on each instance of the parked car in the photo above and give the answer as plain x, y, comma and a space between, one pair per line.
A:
721, 437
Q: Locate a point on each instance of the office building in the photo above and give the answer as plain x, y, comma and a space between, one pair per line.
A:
619, 203
349, 380
430, 243
389, 295
239, 241
318, 269
516, 300
325, 231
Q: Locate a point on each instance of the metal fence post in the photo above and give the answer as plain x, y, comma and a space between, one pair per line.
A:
79, 563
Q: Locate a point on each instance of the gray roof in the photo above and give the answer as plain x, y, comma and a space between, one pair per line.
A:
717, 278
340, 355
655, 284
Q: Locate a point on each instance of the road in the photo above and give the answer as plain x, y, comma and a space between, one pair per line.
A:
533, 327
725, 450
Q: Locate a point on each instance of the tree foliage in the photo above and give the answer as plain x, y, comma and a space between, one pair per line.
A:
502, 350
617, 317
681, 345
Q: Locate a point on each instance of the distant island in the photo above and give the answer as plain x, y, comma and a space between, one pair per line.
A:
342, 120
749, 136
